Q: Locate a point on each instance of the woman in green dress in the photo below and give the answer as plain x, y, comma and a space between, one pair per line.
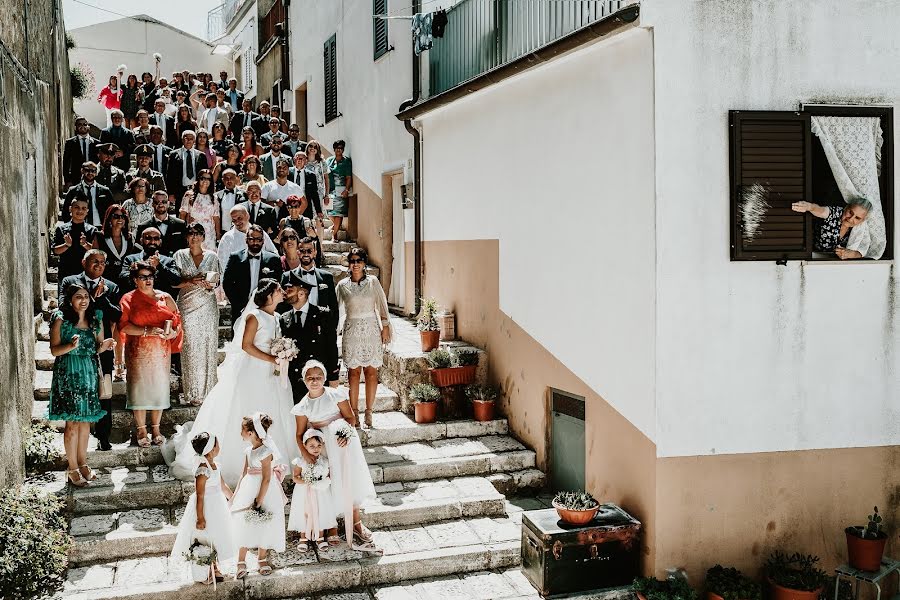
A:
76, 339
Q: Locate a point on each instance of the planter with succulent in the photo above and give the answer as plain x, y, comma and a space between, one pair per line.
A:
865, 544
794, 576
482, 398
672, 588
429, 329
575, 508
730, 584
425, 396
455, 367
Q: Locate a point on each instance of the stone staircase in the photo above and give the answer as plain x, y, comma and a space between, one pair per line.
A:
441, 511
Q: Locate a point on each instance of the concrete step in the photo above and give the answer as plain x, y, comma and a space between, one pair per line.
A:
53, 275
440, 549
126, 533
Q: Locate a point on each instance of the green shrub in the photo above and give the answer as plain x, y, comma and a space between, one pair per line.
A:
39, 448
731, 584
674, 588
70, 41
465, 357
439, 359
424, 392
578, 500
81, 78
481, 392
795, 571
34, 544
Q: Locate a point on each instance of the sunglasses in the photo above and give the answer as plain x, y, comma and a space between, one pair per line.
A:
357, 261
145, 277
290, 206
206, 179
89, 170
290, 237
307, 251
117, 216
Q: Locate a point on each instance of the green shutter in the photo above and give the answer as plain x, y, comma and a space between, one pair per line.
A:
330, 79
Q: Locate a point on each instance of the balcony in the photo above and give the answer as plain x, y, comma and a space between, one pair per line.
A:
484, 34
217, 19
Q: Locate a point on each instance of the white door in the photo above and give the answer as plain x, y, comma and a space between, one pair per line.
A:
398, 269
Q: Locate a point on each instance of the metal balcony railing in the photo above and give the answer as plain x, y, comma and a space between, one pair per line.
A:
484, 34
217, 19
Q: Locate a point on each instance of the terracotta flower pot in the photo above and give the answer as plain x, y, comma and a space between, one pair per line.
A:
782, 593
430, 340
453, 376
483, 410
864, 554
713, 596
426, 412
575, 517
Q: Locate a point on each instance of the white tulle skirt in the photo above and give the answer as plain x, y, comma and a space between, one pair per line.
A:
268, 535
218, 528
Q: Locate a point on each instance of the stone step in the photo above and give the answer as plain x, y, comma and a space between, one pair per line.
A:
127, 533
440, 549
53, 275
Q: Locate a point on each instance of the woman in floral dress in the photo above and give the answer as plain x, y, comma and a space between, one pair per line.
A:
138, 208
199, 205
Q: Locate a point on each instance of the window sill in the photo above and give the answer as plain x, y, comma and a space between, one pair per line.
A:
834, 261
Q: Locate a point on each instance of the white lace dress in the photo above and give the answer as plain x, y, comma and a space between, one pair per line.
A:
300, 500
218, 519
269, 535
366, 312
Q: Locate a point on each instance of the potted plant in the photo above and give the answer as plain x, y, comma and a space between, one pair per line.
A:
482, 397
865, 545
730, 584
575, 508
452, 368
429, 330
794, 576
672, 588
425, 396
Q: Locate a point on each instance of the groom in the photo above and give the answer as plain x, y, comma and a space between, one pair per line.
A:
307, 325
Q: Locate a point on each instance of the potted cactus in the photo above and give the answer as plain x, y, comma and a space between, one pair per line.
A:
482, 398
575, 508
865, 544
429, 329
794, 576
671, 588
425, 396
455, 367
730, 584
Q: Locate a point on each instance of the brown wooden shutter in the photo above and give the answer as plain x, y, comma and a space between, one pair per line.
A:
330, 83
770, 169
379, 28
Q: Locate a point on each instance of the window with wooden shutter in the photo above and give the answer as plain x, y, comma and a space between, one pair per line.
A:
770, 169
379, 28
330, 79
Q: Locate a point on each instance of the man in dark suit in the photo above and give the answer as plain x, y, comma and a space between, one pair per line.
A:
242, 118
228, 197
261, 214
121, 137
179, 84
166, 123
173, 231
245, 268
160, 159
307, 181
234, 95
293, 144
308, 327
269, 160
184, 164
167, 274
111, 176
274, 131
106, 297
98, 197
155, 180
71, 239
322, 294
78, 150
261, 123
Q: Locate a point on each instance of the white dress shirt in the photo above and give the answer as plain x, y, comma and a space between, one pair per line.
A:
273, 191
226, 203
255, 265
235, 241
84, 142
188, 155
95, 213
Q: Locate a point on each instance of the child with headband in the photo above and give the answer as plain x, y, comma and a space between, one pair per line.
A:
312, 506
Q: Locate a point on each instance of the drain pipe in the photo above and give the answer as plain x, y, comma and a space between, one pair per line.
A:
417, 169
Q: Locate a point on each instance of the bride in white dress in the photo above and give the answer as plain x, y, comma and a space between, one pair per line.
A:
247, 384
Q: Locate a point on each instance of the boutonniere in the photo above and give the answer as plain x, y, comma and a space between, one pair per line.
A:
266, 271
324, 309
323, 286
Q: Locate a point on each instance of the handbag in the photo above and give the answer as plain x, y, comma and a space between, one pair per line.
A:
105, 386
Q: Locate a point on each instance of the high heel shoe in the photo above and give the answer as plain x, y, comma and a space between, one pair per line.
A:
79, 482
158, 438
368, 418
142, 440
90, 475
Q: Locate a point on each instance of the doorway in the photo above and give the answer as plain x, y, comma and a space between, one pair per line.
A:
567, 460
300, 111
397, 290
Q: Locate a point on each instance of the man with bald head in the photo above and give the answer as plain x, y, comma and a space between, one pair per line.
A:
235, 239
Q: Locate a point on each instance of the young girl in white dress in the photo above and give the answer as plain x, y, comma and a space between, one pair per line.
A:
312, 505
206, 517
328, 410
258, 488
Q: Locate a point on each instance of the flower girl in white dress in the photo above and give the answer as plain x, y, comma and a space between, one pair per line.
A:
206, 517
257, 508
312, 505
328, 410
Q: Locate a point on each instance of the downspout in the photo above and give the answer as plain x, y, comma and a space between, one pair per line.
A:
417, 169
285, 56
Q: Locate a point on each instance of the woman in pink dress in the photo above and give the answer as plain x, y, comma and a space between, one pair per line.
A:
199, 205
111, 98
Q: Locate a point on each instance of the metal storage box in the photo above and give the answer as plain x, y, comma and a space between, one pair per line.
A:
558, 558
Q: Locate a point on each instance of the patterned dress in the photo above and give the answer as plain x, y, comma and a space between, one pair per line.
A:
366, 312
130, 103
828, 231
138, 214
200, 319
74, 394
201, 209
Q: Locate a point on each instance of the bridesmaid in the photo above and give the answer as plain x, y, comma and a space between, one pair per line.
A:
199, 315
148, 349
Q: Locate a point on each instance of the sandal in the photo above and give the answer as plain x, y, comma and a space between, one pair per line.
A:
90, 475
158, 438
369, 547
142, 440
241, 570
368, 418
363, 534
334, 540
80, 482
264, 568
321, 545
119, 373
302, 546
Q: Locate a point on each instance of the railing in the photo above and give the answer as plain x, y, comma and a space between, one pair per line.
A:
217, 19
484, 34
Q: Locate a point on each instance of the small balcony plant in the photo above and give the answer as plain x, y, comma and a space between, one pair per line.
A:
427, 323
794, 576
455, 367
671, 588
727, 583
865, 544
482, 398
575, 508
425, 397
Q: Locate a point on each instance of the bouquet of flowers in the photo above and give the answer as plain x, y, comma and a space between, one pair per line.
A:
157, 57
345, 432
200, 554
316, 475
257, 515
285, 350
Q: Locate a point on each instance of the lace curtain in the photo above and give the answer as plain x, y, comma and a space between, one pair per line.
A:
853, 149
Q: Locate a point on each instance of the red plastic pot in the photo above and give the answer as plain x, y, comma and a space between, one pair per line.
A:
483, 410
430, 340
783, 593
426, 412
864, 554
453, 376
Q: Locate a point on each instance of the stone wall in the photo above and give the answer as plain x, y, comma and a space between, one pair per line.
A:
35, 112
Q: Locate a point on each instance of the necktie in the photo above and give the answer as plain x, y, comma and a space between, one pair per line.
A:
158, 158
302, 319
84, 149
189, 163
253, 213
